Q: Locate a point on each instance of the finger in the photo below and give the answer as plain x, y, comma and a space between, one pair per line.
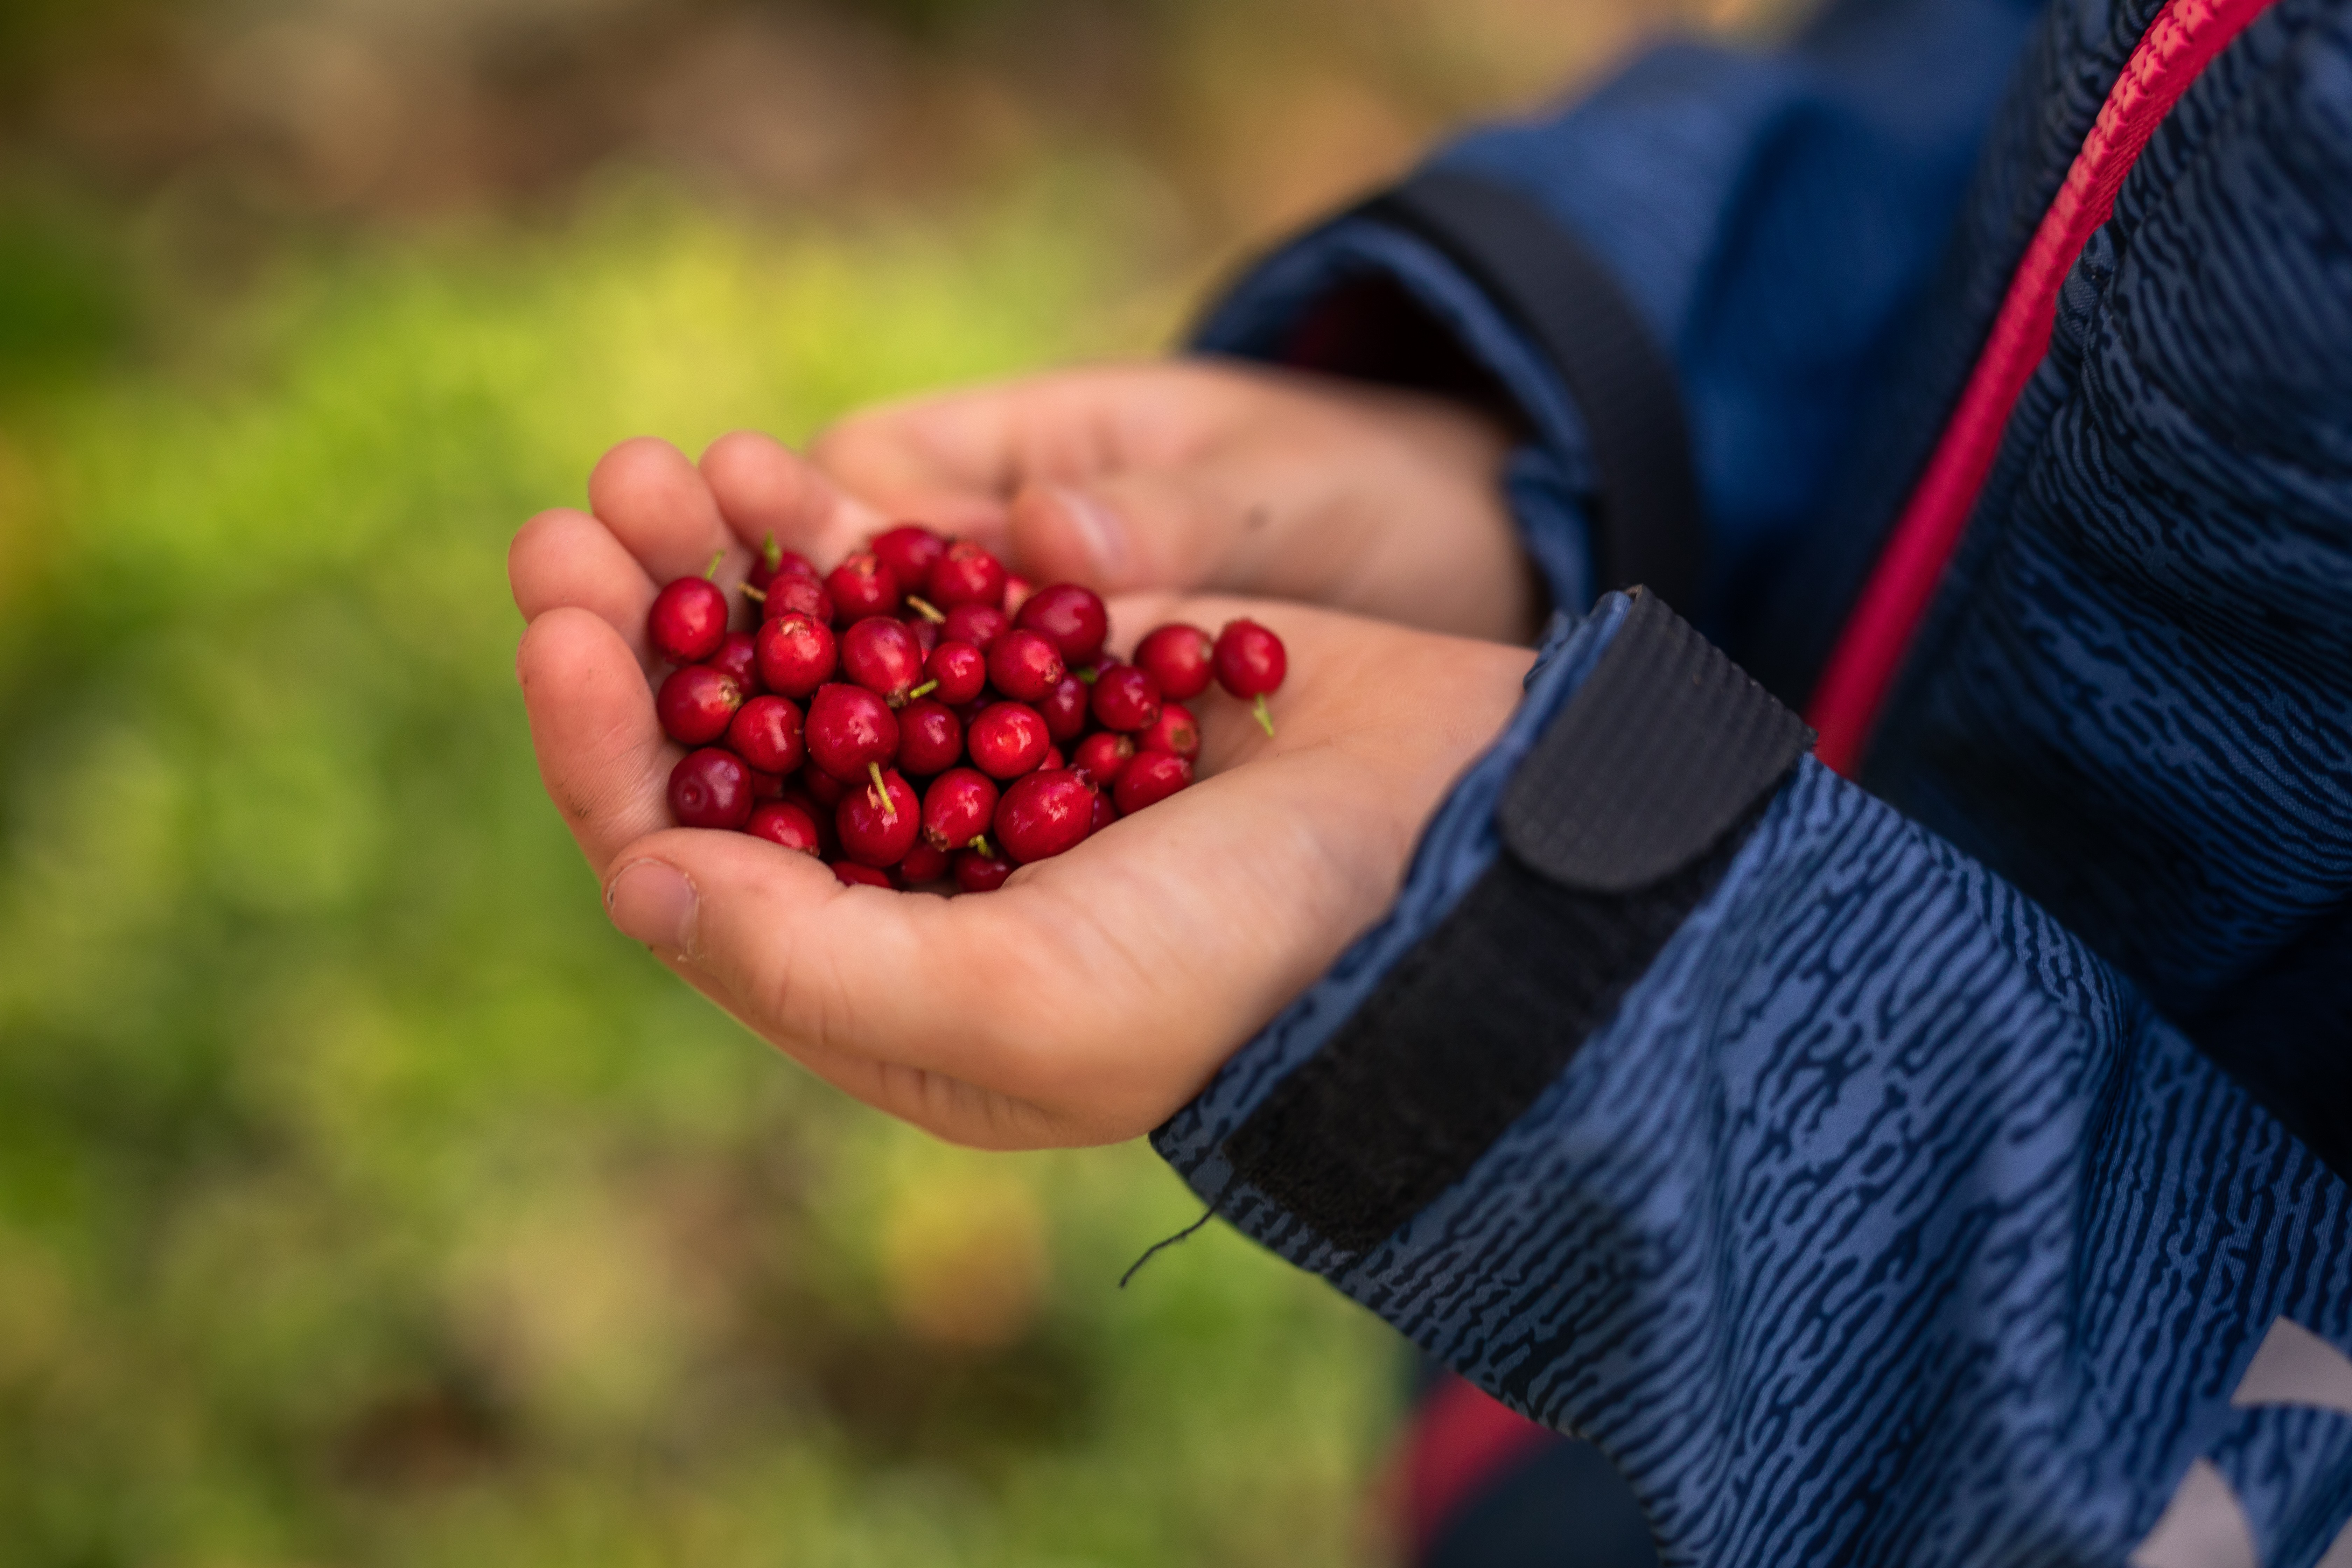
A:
660, 508
1124, 532
567, 558
763, 490
601, 751
947, 461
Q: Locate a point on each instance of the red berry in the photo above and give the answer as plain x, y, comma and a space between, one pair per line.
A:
908, 550
1105, 812
1103, 755
1007, 740
797, 654
695, 703
853, 875
766, 733
1043, 814
930, 737
849, 731
925, 633
960, 669
710, 788
1152, 778
823, 789
958, 807
876, 830
791, 595
1126, 698
862, 586
1179, 657
787, 822
979, 625
1072, 616
923, 863
966, 574
1174, 730
977, 873
1052, 759
1065, 711
688, 620
1026, 667
879, 654
765, 786
739, 657
775, 561
1250, 659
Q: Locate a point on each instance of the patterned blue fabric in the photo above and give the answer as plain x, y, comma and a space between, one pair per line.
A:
1896, 1215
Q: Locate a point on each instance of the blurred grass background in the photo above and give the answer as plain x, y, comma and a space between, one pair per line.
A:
363, 1197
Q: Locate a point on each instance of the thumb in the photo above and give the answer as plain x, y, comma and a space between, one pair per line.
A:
1120, 532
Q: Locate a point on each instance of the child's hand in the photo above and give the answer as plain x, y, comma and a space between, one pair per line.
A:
1095, 993
1188, 474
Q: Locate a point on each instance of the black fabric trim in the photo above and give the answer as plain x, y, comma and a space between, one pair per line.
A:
1472, 1025
1647, 517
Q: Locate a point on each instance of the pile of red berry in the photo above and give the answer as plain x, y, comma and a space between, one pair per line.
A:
918, 716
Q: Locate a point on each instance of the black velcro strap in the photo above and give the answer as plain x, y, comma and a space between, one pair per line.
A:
1473, 1023
1647, 523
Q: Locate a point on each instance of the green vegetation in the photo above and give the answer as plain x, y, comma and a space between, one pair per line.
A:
363, 1197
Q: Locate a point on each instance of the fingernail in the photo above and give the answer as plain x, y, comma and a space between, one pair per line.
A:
652, 903
1099, 532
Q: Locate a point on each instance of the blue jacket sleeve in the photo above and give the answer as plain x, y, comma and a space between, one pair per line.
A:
1772, 216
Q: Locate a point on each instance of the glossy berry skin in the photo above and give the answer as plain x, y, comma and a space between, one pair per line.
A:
1052, 759
850, 729
862, 586
797, 654
1073, 618
979, 873
1026, 667
1174, 730
1181, 657
852, 875
1250, 659
777, 562
960, 669
925, 633
872, 835
766, 733
1152, 778
1007, 740
1065, 711
790, 595
966, 574
710, 788
979, 625
923, 863
739, 657
688, 620
1125, 698
787, 822
908, 549
695, 704
1105, 812
881, 655
1043, 814
930, 737
958, 807
1103, 755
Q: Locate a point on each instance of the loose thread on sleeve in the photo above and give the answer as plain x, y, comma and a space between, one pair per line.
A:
1157, 1248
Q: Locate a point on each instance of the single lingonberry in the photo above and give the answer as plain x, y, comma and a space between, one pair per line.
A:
861, 586
1043, 814
1125, 697
979, 873
766, 733
1072, 616
1250, 664
925, 633
794, 596
1103, 755
787, 822
1106, 813
958, 807
765, 786
879, 654
1024, 666
822, 788
908, 549
979, 625
1152, 778
1174, 730
853, 875
930, 737
1007, 740
1052, 759
850, 731
1180, 658
1065, 711
739, 657
797, 654
695, 703
710, 788
960, 671
775, 561
966, 574
923, 863
879, 823
688, 620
